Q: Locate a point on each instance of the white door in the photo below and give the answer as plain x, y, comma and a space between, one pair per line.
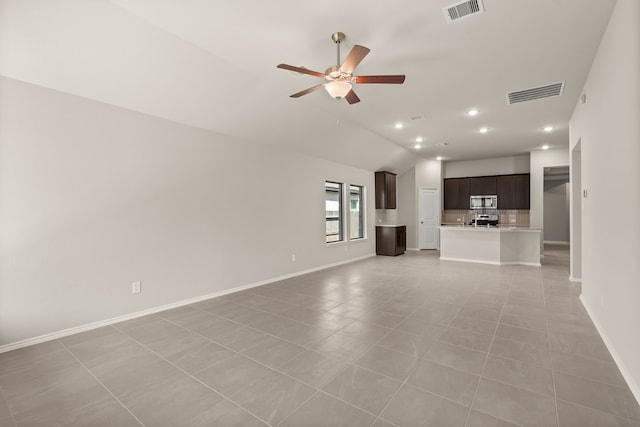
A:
428, 222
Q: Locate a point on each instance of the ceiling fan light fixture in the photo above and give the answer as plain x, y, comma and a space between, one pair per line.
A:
338, 89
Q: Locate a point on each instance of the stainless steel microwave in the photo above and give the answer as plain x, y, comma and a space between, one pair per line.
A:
484, 202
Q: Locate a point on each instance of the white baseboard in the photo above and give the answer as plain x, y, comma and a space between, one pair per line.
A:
575, 279
633, 386
556, 242
89, 326
413, 249
530, 264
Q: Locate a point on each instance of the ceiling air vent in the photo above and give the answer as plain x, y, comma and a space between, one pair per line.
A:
554, 89
462, 9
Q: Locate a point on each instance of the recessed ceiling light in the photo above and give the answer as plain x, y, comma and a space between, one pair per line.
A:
473, 112
484, 130
439, 158
417, 146
419, 139
545, 147
399, 125
548, 129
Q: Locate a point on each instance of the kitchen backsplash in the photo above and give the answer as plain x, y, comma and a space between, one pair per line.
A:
506, 217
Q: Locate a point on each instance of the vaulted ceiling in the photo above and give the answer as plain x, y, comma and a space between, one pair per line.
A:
212, 64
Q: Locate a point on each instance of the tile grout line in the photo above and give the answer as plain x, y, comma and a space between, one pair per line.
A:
4, 399
486, 360
317, 389
553, 375
195, 378
102, 384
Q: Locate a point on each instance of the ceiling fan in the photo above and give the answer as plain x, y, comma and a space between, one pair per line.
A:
339, 78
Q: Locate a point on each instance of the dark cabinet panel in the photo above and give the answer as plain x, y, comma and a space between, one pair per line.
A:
456, 193
513, 191
385, 190
521, 192
482, 185
391, 241
504, 187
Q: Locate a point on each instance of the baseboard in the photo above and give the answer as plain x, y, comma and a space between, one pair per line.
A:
413, 249
530, 264
475, 261
575, 279
633, 386
556, 242
99, 324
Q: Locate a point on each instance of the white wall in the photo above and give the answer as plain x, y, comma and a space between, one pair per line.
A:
425, 174
608, 129
539, 160
94, 197
498, 166
556, 211
407, 206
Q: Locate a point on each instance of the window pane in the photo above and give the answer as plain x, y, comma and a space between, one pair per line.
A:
333, 211
356, 212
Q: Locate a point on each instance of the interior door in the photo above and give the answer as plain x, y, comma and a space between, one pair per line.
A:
428, 219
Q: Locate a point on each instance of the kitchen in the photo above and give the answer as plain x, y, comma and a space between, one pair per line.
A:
505, 228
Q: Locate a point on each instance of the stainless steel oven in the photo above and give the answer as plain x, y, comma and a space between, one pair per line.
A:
484, 202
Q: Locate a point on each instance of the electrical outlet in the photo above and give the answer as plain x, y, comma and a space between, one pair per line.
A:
293, 257
136, 287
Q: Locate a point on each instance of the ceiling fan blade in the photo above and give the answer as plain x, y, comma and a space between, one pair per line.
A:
354, 57
351, 97
300, 70
306, 91
395, 79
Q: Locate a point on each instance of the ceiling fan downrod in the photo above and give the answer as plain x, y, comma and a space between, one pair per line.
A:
337, 39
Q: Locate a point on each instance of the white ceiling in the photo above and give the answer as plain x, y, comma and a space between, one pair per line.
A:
212, 64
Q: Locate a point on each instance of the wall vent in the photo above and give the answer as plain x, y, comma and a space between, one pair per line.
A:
462, 9
554, 89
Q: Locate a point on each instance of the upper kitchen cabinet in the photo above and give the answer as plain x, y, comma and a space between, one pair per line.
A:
385, 190
513, 191
456, 193
482, 186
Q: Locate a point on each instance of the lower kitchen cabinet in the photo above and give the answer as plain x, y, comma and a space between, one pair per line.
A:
391, 240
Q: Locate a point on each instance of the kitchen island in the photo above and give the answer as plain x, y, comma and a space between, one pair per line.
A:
491, 245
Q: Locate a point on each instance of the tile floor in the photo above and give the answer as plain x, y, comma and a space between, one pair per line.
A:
405, 341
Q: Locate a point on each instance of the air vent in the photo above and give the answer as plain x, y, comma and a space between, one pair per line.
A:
463, 9
554, 89
417, 117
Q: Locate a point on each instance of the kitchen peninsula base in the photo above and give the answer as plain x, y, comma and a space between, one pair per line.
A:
495, 245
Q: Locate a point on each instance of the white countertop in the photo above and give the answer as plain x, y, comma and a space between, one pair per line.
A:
390, 225
490, 228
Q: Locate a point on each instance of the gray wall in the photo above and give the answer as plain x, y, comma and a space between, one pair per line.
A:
608, 130
94, 197
556, 211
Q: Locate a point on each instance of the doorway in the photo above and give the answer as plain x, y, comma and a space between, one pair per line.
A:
576, 213
428, 219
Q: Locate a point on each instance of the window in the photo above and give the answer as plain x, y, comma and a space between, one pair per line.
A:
333, 211
356, 212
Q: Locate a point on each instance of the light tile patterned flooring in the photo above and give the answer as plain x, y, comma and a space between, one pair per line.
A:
405, 341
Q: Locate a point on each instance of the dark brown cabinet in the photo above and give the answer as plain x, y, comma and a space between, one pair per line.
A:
482, 186
385, 190
391, 240
456, 193
513, 191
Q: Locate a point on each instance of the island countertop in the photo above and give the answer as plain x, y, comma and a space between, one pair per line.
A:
491, 245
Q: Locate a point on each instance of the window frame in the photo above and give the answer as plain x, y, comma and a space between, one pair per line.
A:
361, 213
340, 217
